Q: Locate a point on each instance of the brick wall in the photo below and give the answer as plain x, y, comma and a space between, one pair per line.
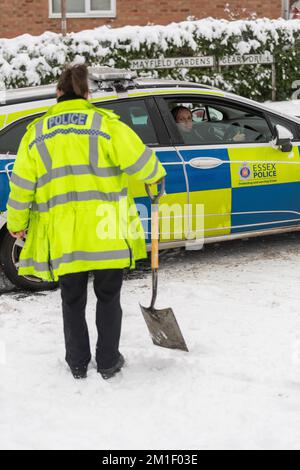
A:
32, 16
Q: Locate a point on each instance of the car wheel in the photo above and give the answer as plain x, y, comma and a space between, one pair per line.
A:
10, 250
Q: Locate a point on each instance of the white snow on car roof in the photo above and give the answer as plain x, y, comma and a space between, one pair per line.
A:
286, 109
49, 90
291, 107
35, 92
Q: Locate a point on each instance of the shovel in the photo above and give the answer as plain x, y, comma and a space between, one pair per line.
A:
162, 324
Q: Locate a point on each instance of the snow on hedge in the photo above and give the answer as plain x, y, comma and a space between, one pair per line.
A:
33, 60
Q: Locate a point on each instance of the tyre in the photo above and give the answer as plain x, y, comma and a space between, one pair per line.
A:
10, 250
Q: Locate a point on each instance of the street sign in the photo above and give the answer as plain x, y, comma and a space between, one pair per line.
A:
169, 63
209, 61
247, 59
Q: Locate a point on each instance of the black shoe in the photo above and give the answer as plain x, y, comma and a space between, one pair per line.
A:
79, 372
109, 373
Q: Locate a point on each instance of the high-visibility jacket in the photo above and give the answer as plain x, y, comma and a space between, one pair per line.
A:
69, 183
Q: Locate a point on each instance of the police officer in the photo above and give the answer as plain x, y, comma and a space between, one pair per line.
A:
69, 191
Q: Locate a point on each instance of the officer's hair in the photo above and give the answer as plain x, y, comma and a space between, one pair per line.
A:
74, 80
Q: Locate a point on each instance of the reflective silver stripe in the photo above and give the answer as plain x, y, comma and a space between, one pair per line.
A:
142, 161
73, 196
77, 170
42, 148
22, 182
153, 173
20, 206
91, 256
94, 142
76, 256
38, 266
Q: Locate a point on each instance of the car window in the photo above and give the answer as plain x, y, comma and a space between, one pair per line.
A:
275, 120
213, 124
206, 114
135, 115
10, 138
214, 114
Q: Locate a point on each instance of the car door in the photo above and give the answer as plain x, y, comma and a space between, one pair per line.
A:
243, 182
143, 116
266, 183
207, 169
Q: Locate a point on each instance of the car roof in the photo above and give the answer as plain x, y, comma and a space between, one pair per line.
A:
152, 82
48, 92
43, 92
21, 95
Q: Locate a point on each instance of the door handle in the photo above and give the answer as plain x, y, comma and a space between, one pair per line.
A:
8, 170
205, 163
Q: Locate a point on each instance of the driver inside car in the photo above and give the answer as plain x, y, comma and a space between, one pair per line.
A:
184, 119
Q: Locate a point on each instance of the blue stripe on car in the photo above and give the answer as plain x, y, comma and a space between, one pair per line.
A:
4, 184
271, 197
175, 180
214, 178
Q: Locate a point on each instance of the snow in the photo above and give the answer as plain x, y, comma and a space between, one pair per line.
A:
238, 388
291, 107
104, 44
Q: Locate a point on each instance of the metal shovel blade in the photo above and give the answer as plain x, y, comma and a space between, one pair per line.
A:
163, 328
162, 324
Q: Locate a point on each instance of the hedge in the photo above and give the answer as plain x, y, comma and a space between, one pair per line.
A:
34, 60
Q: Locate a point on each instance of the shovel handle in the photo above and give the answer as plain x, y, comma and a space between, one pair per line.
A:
155, 223
154, 236
155, 198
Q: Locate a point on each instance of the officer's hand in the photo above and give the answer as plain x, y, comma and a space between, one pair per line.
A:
239, 137
18, 234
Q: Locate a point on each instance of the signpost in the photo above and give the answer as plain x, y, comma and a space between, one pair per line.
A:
286, 9
64, 17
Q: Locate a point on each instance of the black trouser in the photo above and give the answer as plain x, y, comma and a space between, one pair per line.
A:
107, 287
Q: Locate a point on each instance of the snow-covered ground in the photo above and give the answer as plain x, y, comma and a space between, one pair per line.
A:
238, 305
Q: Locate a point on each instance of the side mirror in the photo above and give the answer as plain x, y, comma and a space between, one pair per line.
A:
283, 138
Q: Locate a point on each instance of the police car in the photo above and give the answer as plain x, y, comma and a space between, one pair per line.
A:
235, 164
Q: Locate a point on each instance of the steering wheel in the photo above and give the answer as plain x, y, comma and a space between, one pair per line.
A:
214, 136
257, 139
198, 134
231, 131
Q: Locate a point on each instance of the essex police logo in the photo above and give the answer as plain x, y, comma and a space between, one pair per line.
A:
245, 172
258, 173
